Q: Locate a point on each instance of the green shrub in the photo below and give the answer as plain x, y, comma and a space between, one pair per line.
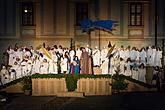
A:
119, 83
27, 83
71, 82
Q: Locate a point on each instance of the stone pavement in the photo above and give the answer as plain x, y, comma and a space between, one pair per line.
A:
124, 101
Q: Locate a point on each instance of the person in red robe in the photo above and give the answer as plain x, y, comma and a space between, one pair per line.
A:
84, 62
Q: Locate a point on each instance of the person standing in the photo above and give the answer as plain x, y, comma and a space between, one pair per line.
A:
11, 54
143, 56
142, 73
44, 67
84, 62
78, 53
64, 64
96, 57
4, 75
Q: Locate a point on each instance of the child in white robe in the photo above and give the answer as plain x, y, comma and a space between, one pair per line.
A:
135, 72
17, 69
44, 67
122, 66
36, 66
4, 75
11, 53
142, 73
128, 71
29, 67
64, 65
24, 67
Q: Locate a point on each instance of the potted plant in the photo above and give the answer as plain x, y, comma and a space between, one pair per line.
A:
27, 85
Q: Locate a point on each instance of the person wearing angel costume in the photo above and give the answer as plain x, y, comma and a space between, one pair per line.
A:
143, 56
64, 64
24, 67
36, 65
104, 53
18, 70
78, 53
127, 53
96, 57
135, 72
153, 56
4, 75
11, 54
29, 67
72, 53
158, 57
149, 54
142, 73
53, 63
128, 70
44, 67
121, 52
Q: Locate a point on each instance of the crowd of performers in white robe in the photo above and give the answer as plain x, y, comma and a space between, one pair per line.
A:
132, 61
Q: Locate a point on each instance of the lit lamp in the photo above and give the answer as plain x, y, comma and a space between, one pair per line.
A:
25, 10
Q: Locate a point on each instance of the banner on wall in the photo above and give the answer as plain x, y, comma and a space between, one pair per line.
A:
87, 24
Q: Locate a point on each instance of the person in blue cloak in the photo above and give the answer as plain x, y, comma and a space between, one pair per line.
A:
75, 66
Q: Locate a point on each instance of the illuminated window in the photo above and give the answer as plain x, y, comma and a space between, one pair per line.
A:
81, 12
136, 14
27, 14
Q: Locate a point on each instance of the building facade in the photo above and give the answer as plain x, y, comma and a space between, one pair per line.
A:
32, 22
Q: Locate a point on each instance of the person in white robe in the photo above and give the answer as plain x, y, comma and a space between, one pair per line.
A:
104, 53
121, 52
36, 66
133, 55
153, 56
96, 57
104, 61
4, 75
44, 67
64, 64
158, 57
12, 74
60, 50
29, 67
19, 55
18, 71
88, 49
11, 53
78, 53
127, 53
149, 54
72, 54
26, 53
122, 66
104, 66
128, 71
135, 72
143, 56
53, 64
142, 73
24, 67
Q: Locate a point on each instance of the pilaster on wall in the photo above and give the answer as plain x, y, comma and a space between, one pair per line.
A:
47, 17
38, 19
103, 9
61, 17
125, 20
7, 18
146, 20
